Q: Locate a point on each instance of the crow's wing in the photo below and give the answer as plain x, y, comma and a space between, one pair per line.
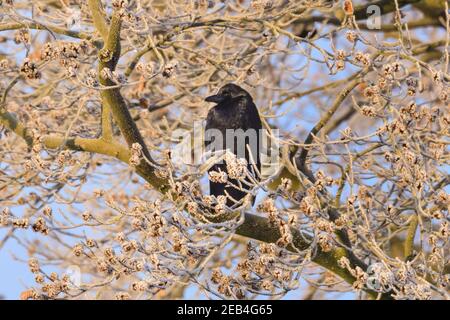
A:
253, 121
243, 117
215, 189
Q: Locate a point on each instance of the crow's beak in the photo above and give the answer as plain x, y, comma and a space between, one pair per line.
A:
215, 98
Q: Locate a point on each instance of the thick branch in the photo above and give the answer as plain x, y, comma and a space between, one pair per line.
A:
109, 56
98, 17
9, 121
100, 146
102, 27
409, 241
261, 229
40, 26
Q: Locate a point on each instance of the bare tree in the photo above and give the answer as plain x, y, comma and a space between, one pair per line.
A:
93, 95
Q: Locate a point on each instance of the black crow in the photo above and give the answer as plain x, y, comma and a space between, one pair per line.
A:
233, 124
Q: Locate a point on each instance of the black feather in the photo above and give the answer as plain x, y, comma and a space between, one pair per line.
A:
234, 110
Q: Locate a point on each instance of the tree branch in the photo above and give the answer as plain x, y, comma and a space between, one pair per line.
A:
109, 56
261, 229
301, 159
409, 241
98, 17
40, 26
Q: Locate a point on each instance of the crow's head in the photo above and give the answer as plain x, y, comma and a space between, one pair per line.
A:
228, 93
